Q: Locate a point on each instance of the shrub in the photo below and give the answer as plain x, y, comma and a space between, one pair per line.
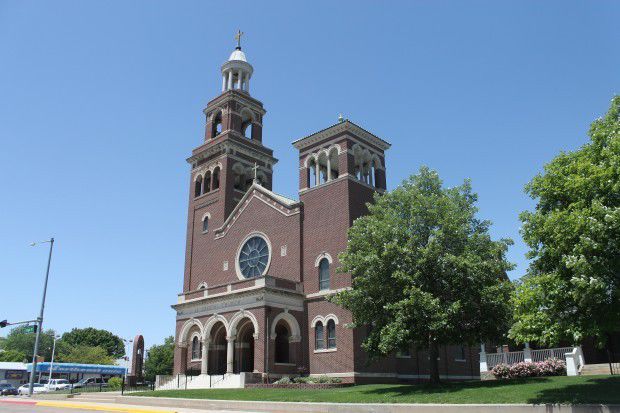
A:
283, 380
303, 380
549, 367
115, 383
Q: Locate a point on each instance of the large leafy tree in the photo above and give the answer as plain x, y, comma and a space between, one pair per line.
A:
83, 354
22, 342
159, 360
425, 270
94, 337
571, 290
12, 355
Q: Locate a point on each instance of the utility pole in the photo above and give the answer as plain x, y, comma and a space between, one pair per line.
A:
40, 319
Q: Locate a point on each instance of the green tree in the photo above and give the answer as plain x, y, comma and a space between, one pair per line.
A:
571, 289
84, 354
425, 271
12, 355
94, 337
159, 360
22, 342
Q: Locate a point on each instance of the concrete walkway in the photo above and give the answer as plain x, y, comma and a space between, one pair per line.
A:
285, 407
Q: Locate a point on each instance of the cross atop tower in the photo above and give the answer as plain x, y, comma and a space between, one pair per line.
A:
255, 169
238, 38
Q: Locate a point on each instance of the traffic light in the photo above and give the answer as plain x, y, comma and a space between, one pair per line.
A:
3, 323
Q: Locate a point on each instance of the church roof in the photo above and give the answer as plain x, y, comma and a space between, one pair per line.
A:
287, 204
338, 127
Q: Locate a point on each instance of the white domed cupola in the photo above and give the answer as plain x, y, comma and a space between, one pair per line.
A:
236, 72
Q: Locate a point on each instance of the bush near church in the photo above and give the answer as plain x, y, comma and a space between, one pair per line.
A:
549, 367
115, 383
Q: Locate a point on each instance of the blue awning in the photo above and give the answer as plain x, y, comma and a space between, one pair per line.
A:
44, 367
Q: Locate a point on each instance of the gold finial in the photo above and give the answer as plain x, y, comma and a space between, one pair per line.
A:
238, 38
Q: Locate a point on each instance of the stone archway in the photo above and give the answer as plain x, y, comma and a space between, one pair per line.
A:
217, 350
244, 347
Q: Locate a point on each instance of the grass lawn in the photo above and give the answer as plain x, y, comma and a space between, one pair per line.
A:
569, 390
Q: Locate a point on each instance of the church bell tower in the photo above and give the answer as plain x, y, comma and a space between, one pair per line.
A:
232, 154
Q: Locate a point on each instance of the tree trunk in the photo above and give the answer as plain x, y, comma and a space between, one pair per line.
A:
609, 358
433, 353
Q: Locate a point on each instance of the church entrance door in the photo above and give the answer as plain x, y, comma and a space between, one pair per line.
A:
217, 349
244, 347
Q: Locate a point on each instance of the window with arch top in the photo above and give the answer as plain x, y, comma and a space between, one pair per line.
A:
324, 274
205, 224
196, 350
331, 334
319, 336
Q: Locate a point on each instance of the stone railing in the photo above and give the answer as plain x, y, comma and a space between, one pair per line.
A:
574, 361
264, 281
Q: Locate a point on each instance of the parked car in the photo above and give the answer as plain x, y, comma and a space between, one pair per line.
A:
36, 388
7, 389
58, 384
91, 382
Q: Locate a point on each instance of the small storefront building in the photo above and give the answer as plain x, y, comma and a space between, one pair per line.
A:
76, 371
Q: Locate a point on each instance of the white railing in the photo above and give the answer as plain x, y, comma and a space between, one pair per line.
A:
202, 381
548, 353
490, 360
574, 361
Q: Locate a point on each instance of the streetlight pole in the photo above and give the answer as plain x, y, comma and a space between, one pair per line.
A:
40, 319
127, 357
52, 362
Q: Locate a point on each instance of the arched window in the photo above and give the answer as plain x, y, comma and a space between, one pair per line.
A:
324, 274
198, 186
216, 178
246, 129
205, 224
319, 336
282, 338
207, 184
196, 350
216, 125
331, 334
312, 173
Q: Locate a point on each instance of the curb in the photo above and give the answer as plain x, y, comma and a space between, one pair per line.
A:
84, 406
301, 407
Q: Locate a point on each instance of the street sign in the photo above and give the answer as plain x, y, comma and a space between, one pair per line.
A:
30, 329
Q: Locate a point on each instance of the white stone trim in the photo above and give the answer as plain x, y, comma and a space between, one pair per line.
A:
339, 127
324, 293
290, 320
324, 320
211, 322
251, 235
326, 350
238, 317
202, 286
187, 327
322, 255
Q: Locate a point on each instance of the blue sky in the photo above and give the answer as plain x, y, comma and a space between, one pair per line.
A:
100, 104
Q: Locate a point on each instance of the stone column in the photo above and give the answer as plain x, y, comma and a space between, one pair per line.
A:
483, 359
240, 80
230, 349
223, 81
230, 78
329, 169
204, 361
527, 353
247, 84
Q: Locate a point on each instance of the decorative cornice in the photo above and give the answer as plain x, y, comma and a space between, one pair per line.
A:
346, 126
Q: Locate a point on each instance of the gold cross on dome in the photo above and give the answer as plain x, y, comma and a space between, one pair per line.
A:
238, 38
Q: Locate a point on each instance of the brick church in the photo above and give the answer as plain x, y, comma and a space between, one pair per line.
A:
259, 265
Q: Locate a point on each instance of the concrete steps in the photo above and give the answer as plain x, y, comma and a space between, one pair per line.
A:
597, 369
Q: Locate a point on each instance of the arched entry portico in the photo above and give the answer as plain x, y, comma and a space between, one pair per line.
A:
244, 329
217, 346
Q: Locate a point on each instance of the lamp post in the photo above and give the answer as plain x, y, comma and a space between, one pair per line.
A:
53, 350
40, 319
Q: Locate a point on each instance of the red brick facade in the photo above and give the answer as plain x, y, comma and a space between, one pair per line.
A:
265, 322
